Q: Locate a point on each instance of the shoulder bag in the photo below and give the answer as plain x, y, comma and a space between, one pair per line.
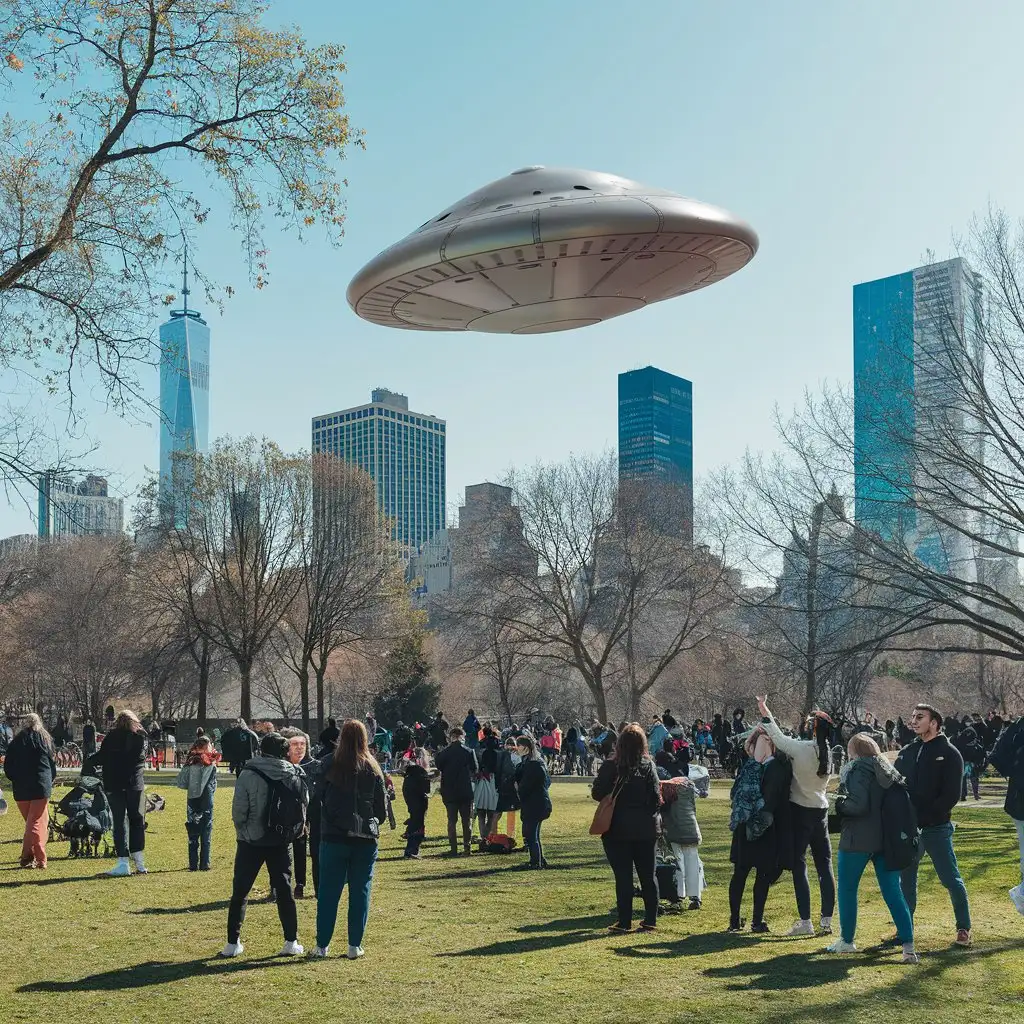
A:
605, 809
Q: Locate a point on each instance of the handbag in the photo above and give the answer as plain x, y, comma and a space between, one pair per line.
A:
605, 809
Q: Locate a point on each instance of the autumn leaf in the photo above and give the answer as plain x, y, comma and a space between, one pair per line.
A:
14, 63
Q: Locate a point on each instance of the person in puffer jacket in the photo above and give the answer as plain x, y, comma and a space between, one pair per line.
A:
680, 829
199, 777
863, 783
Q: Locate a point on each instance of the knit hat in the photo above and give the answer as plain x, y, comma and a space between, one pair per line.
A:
274, 745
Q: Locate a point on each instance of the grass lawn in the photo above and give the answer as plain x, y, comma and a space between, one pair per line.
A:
470, 940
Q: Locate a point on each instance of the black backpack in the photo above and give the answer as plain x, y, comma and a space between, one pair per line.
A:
900, 835
286, 808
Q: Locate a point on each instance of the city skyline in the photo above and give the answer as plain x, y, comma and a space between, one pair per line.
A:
841, 186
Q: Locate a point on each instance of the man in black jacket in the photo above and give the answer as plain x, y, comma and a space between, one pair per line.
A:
934, 772
1008, 760
458, 767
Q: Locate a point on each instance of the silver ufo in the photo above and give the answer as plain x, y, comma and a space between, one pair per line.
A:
550, 249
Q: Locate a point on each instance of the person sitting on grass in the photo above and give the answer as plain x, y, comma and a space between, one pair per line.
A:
761, 839
199, 777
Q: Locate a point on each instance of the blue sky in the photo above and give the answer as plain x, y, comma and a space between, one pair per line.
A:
853, 137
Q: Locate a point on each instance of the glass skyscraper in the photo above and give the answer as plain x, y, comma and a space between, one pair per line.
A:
404, 453
912, 336
184, 396
656, 432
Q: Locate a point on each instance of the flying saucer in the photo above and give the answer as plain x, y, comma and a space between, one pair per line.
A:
550, 249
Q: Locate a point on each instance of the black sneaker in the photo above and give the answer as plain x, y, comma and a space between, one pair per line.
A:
737, 926
760, 928
694, 903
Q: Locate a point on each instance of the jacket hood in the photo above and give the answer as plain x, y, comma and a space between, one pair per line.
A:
273, 767
883, 771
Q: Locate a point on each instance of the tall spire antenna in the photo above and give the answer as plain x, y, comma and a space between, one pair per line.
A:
184, 287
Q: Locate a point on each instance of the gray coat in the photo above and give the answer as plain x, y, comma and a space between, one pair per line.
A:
679, 813
251, 802
859, 804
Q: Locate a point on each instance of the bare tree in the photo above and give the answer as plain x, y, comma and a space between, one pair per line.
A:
131, 99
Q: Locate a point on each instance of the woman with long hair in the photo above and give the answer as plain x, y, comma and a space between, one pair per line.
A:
808, 811
532, 785
122, 755
353, 803
30, 766
631, 778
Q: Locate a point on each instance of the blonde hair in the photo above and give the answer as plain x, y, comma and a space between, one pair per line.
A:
862, 745
33, 723
128, 720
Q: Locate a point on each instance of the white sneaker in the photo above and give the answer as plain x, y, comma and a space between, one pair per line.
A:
801, 928
317, 953
355, 952
232, 949
841, 947
1017, 896
910, 957
140, 864
121, 869
292, 948
825, 925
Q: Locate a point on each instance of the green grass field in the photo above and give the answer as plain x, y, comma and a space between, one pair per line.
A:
473, 940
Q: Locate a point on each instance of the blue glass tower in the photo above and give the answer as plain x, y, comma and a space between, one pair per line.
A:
184, 395
656, 432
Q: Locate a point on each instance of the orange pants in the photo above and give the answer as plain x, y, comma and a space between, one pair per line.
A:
36, 826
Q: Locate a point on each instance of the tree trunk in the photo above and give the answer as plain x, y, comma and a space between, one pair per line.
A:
245, 685
204, 681
811, 680
304, 695
596, 688
319, 672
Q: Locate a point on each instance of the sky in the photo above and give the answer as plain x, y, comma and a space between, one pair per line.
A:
855, 138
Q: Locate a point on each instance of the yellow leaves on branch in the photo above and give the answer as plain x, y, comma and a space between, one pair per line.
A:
14, 62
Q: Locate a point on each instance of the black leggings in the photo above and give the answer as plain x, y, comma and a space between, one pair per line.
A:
810, 829
624, 855
128, 806
762, 883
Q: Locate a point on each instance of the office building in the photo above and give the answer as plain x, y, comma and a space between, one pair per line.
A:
656, 434
184, 400
404, 453
914, 337
83, 509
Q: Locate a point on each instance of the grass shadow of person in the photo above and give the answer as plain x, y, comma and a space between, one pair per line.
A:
39, 878
786, 972
198, 908
698, 944
563, 932
156, 972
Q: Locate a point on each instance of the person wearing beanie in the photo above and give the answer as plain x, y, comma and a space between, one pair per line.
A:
269, 774
808, 814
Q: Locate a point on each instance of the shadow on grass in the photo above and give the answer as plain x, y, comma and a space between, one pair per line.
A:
156, 972
785, 973
690, 945
199, 908
39, 878
568, 931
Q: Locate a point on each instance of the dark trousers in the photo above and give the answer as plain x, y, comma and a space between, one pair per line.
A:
299, 860
624, 856
199, 835
128, 806
248, 861
531, 837
314, 843
810, 829
465, 812
975, 781
762, 883
415, 829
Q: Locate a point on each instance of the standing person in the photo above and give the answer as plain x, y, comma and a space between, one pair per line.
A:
533, 784
485, 789
760, 831
934, 771
471, 725
329, 736
299, 754
863, 783
239, 744
679, 815
657, 735
30, 765
508, 796
403, 743
123, 758
974, 752
199, 777
808, 814
630, 776
88, 740
439, 732
354, 804
1008, 759
269, 782
416, 793
457, 765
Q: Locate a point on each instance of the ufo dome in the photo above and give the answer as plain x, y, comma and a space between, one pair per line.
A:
549, 249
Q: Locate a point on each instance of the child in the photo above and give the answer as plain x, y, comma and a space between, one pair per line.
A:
416, 792
760, 796
199, 777
680, 828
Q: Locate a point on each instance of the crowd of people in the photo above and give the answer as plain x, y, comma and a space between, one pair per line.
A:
295, 802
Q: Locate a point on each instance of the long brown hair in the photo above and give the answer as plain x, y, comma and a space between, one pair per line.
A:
351, 755
630, 749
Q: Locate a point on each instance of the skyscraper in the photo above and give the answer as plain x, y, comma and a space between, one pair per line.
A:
656, 433
404, 453
184, 394
85, 509
913, 335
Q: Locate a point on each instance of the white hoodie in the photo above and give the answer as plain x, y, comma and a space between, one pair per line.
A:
808, 787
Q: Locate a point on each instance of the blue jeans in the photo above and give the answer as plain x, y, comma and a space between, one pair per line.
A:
851, 867
531, 837
937, 842
343, 862
199, 835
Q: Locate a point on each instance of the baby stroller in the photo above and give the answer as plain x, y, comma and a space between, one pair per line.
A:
82, 817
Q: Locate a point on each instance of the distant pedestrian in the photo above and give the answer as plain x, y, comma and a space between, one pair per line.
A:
123, 757
199, 777
30, 765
